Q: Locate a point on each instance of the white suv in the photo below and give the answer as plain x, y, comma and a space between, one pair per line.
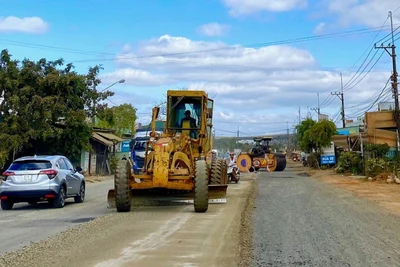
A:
41, 178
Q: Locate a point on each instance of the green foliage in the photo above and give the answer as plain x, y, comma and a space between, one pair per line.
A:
378, 150
302, 128
45, 106
350, 162
375, 166
120, 118
315, 135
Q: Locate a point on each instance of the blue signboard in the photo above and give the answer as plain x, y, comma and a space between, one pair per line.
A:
328, 159
125, 146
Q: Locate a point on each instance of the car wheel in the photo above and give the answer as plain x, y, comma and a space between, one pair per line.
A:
59, 202
6, 204
81, 197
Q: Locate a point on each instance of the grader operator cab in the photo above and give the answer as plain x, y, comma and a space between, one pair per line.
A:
261, 156
180, 162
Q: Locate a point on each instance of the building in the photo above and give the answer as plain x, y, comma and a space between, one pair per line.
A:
103, 143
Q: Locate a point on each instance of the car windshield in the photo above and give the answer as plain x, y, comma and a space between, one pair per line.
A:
30, 165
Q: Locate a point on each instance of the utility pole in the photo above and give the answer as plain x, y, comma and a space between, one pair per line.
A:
395, 90
317, 109
288, 138
299, 115
341, 97
94, 105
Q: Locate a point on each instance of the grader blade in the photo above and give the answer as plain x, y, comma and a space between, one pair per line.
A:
216, 191
216, 194
111, 199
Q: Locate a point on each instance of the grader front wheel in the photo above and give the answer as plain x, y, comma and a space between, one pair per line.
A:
123, 195
201, 187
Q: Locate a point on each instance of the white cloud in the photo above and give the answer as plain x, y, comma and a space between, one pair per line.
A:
249, 85
213, 29
247, 7
25, 25
319, 29
135, 77
371, 13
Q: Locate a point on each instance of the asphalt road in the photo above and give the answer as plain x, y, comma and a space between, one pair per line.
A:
31, 223
300, 221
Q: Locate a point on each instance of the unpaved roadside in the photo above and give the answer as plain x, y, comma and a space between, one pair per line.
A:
152, 236
385, 195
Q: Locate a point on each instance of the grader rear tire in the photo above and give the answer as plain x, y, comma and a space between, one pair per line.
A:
123, 194
201, 186
216, 172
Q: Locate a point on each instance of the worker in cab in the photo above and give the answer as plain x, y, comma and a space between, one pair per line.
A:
187, 125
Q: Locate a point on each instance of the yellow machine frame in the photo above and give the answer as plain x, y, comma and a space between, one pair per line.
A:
174, 159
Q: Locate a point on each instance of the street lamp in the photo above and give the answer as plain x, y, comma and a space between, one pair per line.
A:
94, 101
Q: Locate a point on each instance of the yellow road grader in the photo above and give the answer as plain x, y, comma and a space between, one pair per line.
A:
180, 161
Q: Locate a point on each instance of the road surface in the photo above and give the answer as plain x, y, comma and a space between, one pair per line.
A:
301, 221
31, 223
163, 235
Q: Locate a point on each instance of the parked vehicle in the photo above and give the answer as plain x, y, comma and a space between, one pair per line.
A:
41, 178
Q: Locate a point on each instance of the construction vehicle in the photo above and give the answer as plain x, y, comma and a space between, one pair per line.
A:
261, 156
179, 162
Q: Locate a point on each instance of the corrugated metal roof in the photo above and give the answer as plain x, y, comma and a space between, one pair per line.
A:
101, 139
110, 136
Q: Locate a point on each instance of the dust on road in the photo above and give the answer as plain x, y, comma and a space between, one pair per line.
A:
152, 236
301, 221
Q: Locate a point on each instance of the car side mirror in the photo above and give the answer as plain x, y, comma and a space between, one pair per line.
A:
78, 169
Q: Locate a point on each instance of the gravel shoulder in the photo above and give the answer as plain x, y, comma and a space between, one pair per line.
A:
172, 234
31, 223
302, 221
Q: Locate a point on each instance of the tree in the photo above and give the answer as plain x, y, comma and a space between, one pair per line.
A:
302, 128
120, 118
318, 136
44, 107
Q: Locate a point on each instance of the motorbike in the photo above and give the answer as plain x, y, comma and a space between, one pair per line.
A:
304, 161
231, 177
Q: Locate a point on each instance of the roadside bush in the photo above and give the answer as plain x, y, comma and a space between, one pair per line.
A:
394, 164
349, 162
313, 160
376, 166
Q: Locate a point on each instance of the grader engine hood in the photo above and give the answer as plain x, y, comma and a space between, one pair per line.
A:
161, 161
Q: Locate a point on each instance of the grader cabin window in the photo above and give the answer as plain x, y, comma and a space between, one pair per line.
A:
185, 115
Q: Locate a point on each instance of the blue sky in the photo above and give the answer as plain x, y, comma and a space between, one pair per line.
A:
257, 88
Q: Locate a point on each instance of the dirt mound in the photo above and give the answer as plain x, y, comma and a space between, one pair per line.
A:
381, 177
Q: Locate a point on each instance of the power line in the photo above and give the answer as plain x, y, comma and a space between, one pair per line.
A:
376, 62
330, 97
279, 42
